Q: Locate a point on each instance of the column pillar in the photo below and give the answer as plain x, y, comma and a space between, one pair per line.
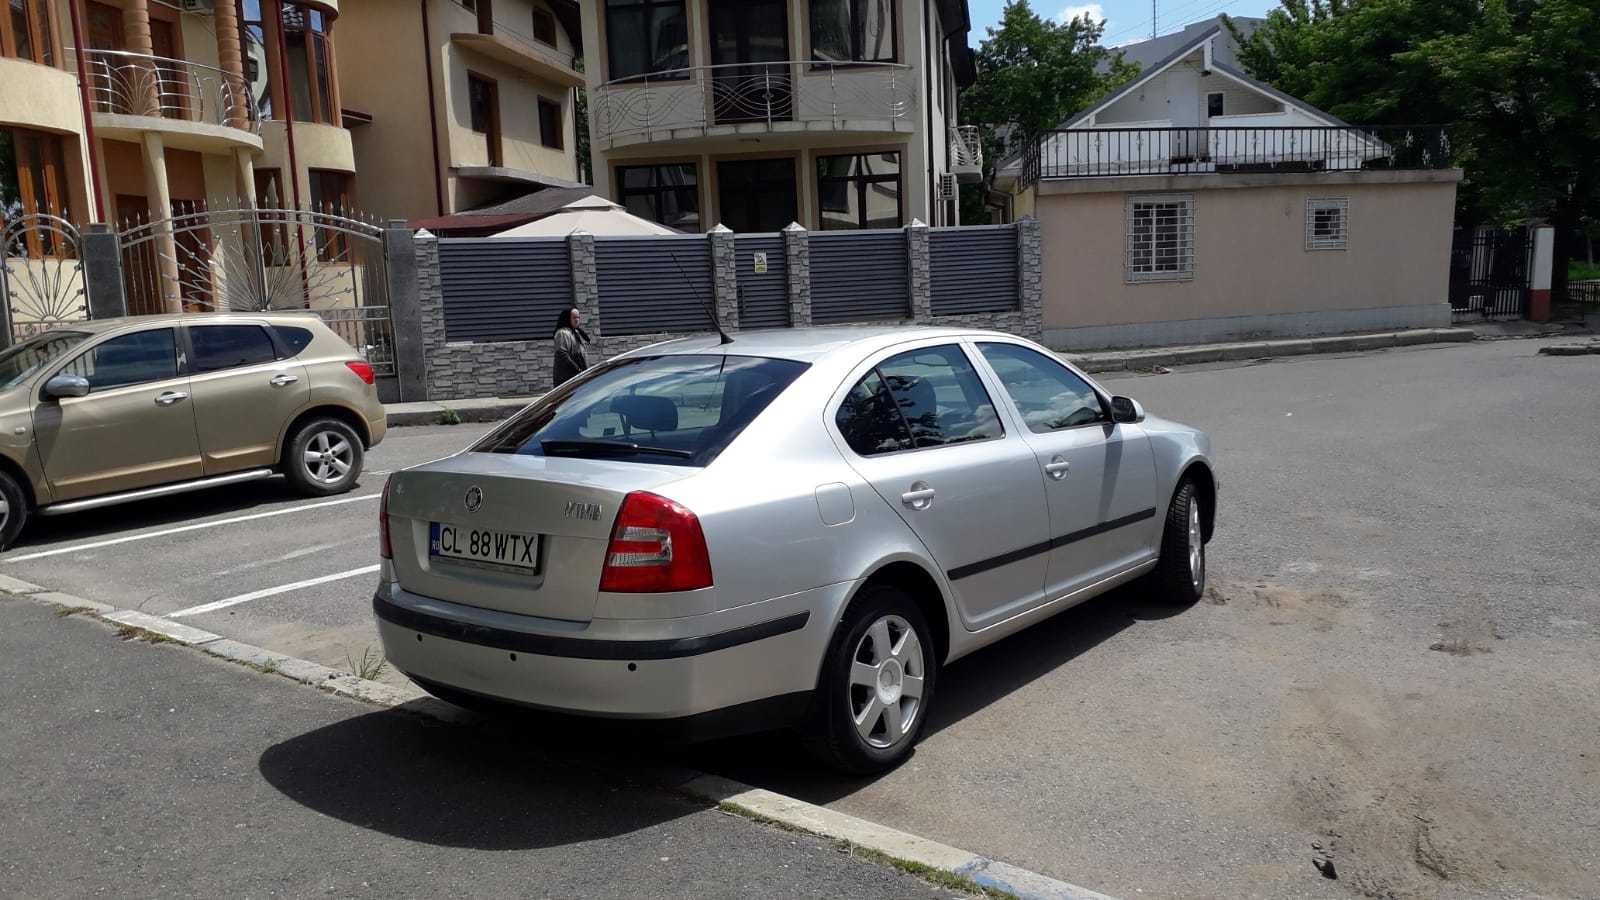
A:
136, 35
921, 272
1541, 275
230, 58
405, 311
1030, 278
585, 280
102, 272
160, 199
725, 277
797, 264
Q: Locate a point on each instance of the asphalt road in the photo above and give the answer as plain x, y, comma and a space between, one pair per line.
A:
150, 771
1373, 507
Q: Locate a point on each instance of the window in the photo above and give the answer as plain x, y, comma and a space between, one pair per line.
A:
1048, 394
853, 31
330, 193
921, 398
669, 194
1214, 104
1327, 222
859, 191
253, 42
25, 31
307, 35
671, 410
218, 347
1160, 237
756, 194
645, 37
483, 103
136, 358
485, 11
550, 123
33, 180
292, 339
544, 26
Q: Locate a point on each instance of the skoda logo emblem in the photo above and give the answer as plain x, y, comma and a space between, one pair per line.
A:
474, 498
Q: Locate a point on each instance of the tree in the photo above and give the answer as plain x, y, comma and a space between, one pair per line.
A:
1032, 73
1516, 81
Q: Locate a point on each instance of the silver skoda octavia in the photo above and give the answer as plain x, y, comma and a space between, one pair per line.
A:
799, 527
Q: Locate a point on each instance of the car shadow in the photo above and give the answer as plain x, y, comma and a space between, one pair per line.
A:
971, 684
176, 509
520, 783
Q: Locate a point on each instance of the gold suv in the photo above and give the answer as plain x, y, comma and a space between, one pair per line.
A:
126, 409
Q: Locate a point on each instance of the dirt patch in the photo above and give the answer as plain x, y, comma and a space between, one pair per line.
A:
1471, 633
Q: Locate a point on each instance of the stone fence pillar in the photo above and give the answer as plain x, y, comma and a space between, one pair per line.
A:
797, 264
102, 272
725, 277
921, 273
404, 263
585, 280
1030, 277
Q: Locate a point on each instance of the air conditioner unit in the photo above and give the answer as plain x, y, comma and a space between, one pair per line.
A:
947, 186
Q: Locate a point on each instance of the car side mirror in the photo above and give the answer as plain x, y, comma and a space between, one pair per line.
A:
66, 386
1126, 409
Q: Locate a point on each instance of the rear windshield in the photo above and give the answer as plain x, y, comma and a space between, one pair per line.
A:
672, 410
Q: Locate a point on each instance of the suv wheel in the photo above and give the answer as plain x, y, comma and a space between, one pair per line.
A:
13, 510
877, 684
322, 457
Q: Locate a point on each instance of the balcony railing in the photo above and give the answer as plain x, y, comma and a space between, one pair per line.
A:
966, 147
806, 93
1094, 152
135, 84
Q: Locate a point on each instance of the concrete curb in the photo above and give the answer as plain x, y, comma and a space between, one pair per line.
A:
908, 852
1138, 360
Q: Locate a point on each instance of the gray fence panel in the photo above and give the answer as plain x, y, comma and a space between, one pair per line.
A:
763, 297
859, 275
974, 269
503, 289
654, 284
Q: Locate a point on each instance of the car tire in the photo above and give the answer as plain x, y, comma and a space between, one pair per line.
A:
338, 456
880, 613
13, 510
1180, 575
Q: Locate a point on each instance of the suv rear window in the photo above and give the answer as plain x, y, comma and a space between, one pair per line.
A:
670, 410
293, 338
218, 347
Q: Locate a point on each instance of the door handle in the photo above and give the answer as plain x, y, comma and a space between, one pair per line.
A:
1057, 468
167, 398
281, 380
919, 497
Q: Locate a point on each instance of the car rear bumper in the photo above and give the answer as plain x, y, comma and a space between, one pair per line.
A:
638, 669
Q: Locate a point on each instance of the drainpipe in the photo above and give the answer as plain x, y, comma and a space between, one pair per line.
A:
88, 115
927, 103
433, 111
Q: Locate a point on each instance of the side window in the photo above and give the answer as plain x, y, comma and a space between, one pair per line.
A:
293, 339
921, 398
219, 347
1048, 394
130, 359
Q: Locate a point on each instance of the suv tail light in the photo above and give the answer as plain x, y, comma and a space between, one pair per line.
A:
656, 547
362, 369
385, 549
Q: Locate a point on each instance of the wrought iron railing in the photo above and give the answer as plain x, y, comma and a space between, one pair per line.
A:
136, 84
368, 329
800, 91
1092, 152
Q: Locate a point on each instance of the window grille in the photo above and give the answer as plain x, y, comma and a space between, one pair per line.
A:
1160, 237
1327, 223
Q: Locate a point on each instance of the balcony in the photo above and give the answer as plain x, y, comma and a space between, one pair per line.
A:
966, 153
522, 53
196, 106
755, 98
1224, 149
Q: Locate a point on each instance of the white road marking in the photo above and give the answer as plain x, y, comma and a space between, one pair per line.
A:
270, 592
112, 542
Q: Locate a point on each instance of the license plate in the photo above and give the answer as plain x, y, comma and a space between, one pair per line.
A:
484, 546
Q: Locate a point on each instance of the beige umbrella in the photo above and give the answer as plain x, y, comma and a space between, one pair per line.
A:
595, 215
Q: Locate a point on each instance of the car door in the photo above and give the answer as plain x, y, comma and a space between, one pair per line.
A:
244, 394
1099, 476
134, 429
919, 426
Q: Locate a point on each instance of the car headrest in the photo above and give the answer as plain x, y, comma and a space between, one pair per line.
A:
645, 412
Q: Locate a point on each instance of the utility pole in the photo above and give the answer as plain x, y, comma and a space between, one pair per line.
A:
1153, 19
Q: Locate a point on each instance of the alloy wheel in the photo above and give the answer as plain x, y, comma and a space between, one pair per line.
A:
328, 457
886, 682
1197, 547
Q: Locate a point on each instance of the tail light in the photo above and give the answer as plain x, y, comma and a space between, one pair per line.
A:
656, 547
385, 549
362, 369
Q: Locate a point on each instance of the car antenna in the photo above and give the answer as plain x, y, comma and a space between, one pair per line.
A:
710, 310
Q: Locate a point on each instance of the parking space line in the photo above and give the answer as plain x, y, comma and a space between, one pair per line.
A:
112, 542
270, 592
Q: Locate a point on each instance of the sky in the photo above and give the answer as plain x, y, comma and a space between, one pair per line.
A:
1126, 20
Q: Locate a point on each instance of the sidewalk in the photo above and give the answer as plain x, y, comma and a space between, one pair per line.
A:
153, 771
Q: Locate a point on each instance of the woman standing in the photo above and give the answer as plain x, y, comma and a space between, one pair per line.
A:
569, 340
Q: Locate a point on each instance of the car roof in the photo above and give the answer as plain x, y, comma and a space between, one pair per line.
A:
807, 344
99, 326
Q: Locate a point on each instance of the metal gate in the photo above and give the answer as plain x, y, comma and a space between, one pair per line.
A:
41, 274
1490, 273
244, 258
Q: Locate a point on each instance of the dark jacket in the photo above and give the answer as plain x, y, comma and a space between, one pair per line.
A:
569, 358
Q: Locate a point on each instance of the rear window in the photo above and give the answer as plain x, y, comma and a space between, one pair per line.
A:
671, 410
218, 347
292, 338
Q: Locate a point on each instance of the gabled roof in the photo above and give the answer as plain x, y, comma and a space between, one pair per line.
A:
1182, 51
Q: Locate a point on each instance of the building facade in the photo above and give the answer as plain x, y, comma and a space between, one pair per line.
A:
461, 103
837, 114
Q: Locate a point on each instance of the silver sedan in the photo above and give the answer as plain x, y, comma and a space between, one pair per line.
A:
799, 527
